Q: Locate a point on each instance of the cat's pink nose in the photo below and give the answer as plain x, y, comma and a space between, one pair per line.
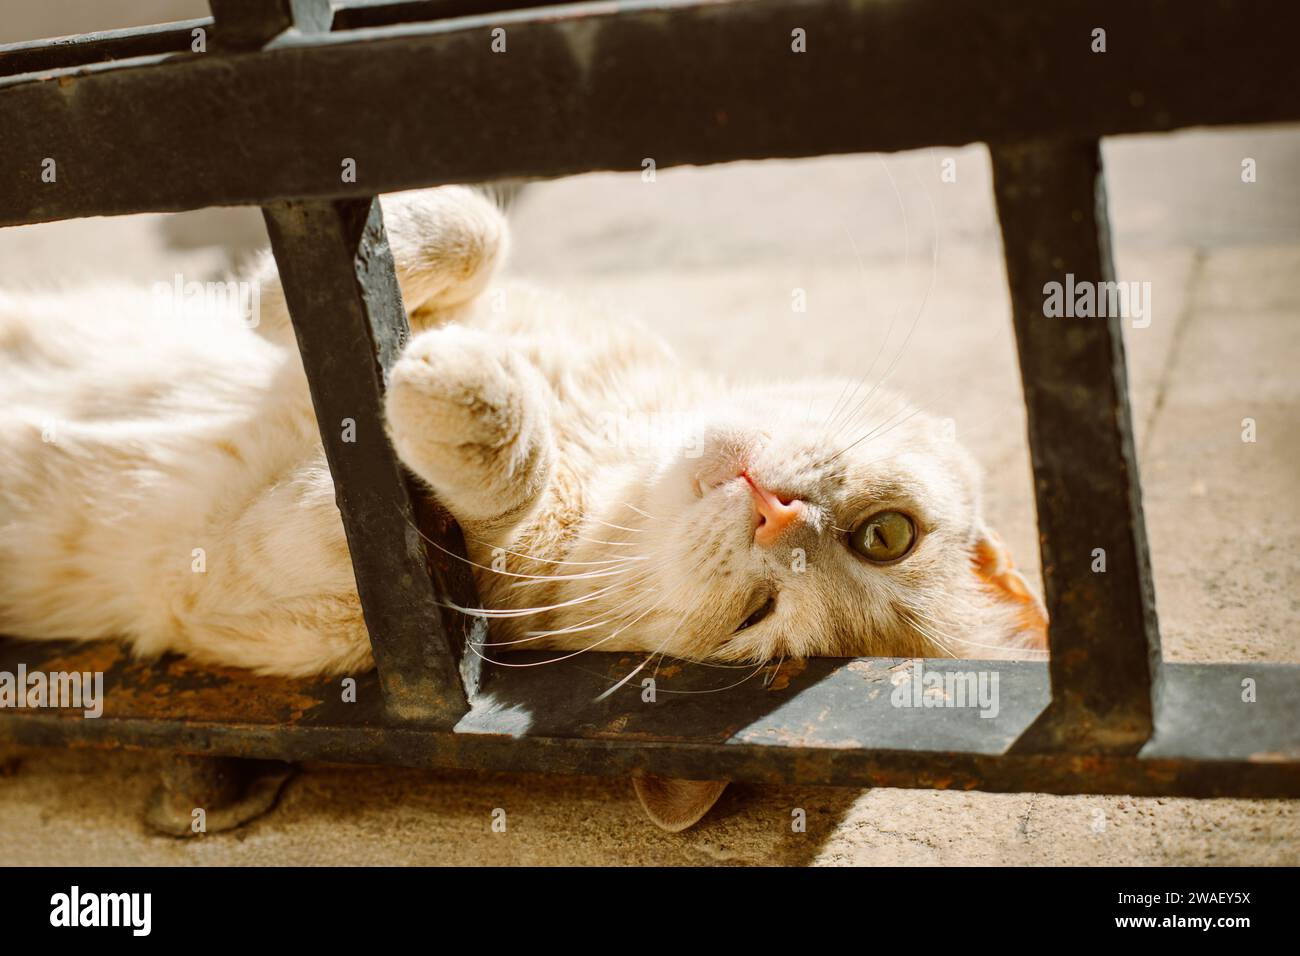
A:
774, 515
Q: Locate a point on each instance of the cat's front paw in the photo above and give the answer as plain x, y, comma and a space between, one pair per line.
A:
456, 386
470, 416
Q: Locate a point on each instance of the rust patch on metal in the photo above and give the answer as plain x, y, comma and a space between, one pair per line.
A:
101, 656
194, 692
174, 688
786, 672
617, 725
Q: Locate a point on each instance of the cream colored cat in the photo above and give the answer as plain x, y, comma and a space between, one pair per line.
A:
162, 482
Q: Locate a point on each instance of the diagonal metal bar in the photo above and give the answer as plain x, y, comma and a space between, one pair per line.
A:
1105, 643
337, 273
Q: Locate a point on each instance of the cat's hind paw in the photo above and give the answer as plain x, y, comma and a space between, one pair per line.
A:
447, 244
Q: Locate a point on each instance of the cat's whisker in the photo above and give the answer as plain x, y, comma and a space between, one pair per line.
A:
833, 426
660, 664
572, 629
1035, 654
541, 635
528, 611
888, 424
907, 258
875, 432
728, 667
533, 578
614, 588
934, 275
659, 650
630, 674
564, 657
767, 681
587, 625
617, 544
635, 671
719, 690
530, 557
641, 574
530, 579
610, 524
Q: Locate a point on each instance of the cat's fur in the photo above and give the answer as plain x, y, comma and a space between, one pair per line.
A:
139, 446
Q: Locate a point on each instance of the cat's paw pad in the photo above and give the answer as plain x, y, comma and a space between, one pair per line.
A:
458, 387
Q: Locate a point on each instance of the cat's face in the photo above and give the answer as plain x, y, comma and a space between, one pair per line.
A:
808, 520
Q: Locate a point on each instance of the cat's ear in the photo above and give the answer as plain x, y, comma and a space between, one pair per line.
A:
997, 573
674, 804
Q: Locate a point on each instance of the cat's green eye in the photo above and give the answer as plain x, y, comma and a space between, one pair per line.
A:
885, 536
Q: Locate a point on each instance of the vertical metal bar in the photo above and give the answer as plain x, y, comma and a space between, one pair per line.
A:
337, 273
249, 24
338, 279
1105, 643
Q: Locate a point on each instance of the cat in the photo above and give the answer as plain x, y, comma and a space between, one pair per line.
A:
162, 482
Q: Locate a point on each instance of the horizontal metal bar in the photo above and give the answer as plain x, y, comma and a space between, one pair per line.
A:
1104, 639
358, 14
819, 722
35, 56
604, 87
337, 273
178, 36
57, 53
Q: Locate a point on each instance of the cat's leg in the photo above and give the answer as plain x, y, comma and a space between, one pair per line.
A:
447, 244
471, 416
275, 590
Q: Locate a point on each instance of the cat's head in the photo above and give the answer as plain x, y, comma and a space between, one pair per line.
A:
806, 520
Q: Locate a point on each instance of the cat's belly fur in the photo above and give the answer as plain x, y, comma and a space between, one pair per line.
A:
165, 485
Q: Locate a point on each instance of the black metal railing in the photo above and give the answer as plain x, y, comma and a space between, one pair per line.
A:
284, 91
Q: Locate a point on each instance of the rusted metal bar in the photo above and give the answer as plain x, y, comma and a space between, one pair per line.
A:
57, 53
342, 293
1105, 642
379, 13
826, 722
32, 56
606, 87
